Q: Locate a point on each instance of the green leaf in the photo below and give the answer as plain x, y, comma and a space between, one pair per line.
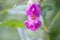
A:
13, 23
14, 20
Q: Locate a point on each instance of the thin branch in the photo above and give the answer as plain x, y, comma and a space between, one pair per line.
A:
54, 19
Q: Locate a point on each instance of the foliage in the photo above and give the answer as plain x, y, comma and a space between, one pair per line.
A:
52, 18
13, 23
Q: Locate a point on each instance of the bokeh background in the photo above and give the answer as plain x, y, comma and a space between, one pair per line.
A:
12, 21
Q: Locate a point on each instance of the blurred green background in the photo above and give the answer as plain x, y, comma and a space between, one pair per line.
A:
13, 18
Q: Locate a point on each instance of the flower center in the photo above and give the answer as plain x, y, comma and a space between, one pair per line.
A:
33, 16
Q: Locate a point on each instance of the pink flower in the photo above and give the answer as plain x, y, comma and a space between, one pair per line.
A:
33, 13
33, 8
32, 25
